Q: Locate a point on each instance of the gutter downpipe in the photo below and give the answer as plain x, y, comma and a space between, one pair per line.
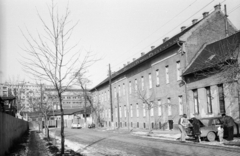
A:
186, 93
182, 46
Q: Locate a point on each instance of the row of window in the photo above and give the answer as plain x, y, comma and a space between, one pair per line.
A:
104, 96
145, 107
209, 99
137, 125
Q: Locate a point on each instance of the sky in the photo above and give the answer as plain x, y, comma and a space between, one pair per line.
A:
116, 31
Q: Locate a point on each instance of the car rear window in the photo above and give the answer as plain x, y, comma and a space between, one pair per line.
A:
204, 122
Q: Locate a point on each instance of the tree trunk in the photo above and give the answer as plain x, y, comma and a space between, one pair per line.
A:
46, 128
62, 126
149, 121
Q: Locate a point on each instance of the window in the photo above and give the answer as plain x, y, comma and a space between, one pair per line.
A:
169, 107
144, 110
137, 110
209, 100
115, 92
180, 105
195, 100
119, 90
167, 74
130, 87
151, 111
178, 70
135, 84
150, 80
124, 89
157, 77
221, 98
109, 112
159, 108
116, 112
125, 111
142, 80
131, 111
120, 111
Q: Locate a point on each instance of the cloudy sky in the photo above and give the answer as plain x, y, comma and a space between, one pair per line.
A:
115, 30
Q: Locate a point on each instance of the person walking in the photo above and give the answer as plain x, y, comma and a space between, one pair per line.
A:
182, 124
196, 129
228, 124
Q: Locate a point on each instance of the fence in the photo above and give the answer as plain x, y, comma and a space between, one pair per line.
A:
11, 129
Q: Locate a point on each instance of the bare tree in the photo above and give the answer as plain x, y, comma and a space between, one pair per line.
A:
51, 57
43, 105
148, 100
96, 110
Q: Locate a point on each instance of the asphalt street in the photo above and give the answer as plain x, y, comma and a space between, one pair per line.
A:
100, 143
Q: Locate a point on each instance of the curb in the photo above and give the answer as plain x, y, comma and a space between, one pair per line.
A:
173, 140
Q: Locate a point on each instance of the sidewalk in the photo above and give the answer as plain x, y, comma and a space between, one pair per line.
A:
174, 135
36, 145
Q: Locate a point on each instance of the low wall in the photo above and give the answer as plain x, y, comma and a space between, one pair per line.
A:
11, 129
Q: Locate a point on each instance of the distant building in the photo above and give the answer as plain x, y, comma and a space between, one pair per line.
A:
158, 74
73, 98
24, 93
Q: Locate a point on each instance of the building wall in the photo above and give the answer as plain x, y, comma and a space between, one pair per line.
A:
230, 97
208, 30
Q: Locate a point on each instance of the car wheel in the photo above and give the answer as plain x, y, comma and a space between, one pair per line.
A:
211, 136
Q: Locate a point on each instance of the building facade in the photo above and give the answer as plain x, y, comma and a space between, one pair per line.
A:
212, 86
73, 98
156, 78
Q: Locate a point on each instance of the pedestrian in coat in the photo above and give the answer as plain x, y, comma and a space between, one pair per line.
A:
196, 129
228, 124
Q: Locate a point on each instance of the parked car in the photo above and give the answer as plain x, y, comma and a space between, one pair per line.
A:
76, 124
91, 125
208, 128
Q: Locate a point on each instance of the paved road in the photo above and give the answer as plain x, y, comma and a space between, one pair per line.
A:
123, 143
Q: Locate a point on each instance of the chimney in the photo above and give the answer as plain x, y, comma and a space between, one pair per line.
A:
128, 62
194, 21
142, 53
205, 14
124, 65
183, 28
217, 7
134, 59
165, 39
152, 47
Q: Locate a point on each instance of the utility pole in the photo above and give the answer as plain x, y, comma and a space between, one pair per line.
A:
110, 92
226, 24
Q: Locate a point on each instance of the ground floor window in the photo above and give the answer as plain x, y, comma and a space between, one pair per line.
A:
195, 100
221, 99
209, 100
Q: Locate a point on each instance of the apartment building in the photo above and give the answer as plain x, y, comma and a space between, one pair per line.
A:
158, 75
73, 98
